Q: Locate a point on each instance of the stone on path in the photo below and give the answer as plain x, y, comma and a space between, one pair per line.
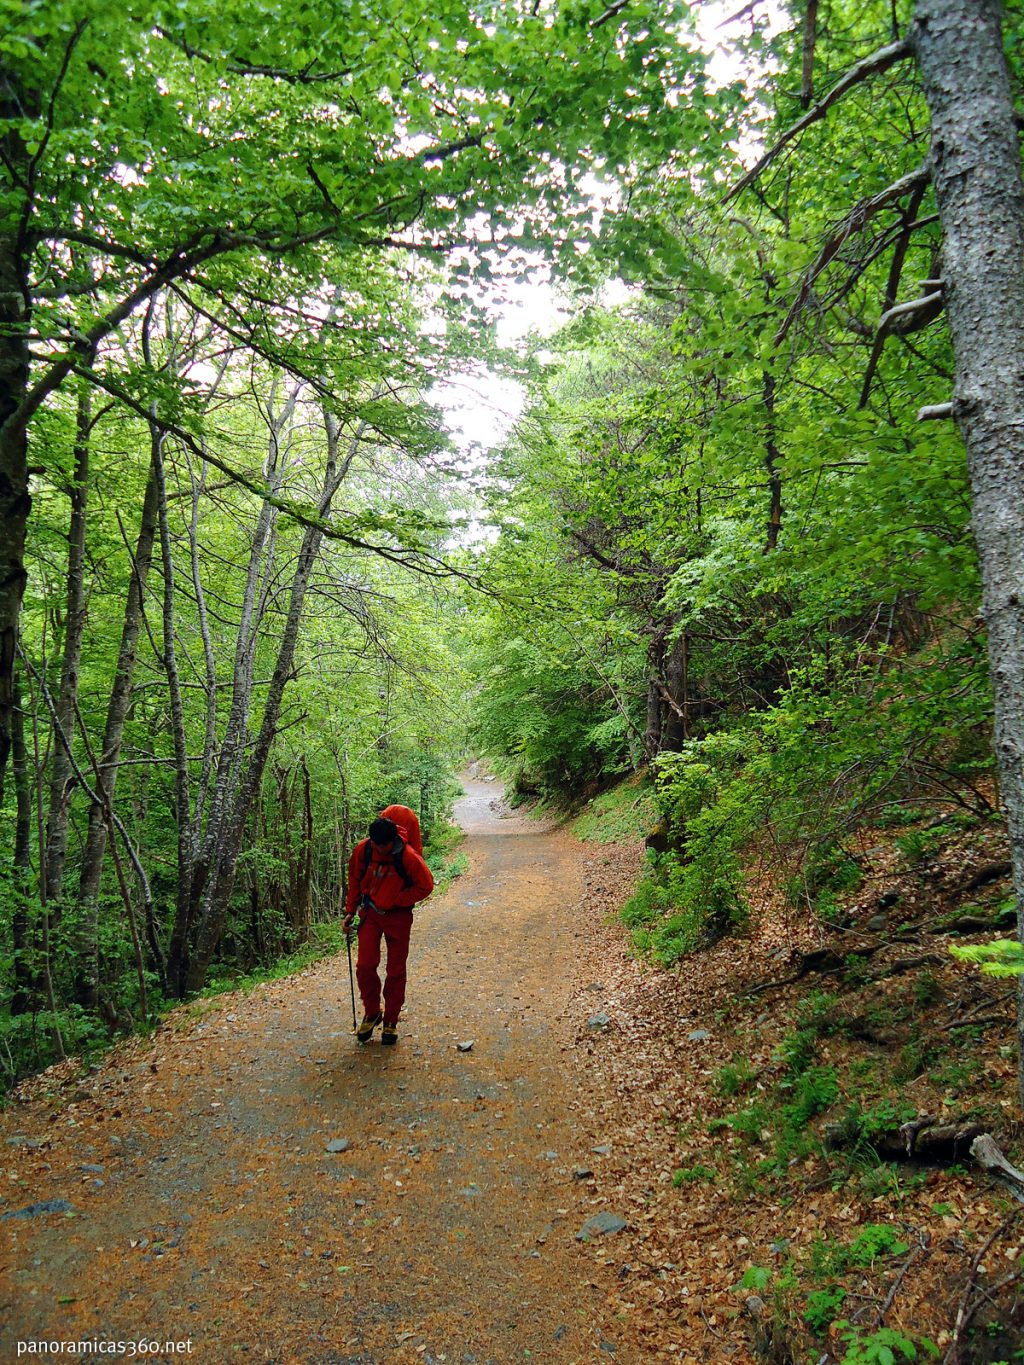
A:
600, 1020
600, 1225
47, 1206
338, 1145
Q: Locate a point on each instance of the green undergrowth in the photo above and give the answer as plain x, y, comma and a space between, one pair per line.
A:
622, 814
444, 855
807, 1113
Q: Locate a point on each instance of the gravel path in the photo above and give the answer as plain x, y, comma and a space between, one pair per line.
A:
205, 1204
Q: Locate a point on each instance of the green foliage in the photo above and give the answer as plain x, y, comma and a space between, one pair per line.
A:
1001, 957
874, 1240
886, 1346
691, 1175
756, 1277
823, 1307
734, 1077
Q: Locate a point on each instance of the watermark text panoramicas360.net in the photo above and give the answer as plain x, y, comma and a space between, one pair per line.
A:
81, 1347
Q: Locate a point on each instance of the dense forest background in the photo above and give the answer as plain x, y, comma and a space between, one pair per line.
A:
729, 539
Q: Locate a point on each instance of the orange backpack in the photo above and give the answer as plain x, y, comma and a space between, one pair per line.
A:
408, 826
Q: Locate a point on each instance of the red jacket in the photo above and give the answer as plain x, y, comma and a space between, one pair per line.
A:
382, 882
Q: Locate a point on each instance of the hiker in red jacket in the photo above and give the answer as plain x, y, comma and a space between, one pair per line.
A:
386, 878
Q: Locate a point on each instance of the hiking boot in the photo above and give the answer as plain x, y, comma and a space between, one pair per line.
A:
365, 1030
389, 1035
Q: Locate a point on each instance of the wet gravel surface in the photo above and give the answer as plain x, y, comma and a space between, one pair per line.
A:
206, 1207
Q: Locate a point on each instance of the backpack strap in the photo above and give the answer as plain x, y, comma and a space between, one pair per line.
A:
400, 868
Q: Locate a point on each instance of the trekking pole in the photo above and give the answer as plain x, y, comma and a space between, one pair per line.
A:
351, 981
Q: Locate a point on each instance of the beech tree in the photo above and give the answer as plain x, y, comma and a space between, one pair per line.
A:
974, 167
240, 156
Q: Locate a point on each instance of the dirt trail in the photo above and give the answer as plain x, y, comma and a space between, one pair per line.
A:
205, 1205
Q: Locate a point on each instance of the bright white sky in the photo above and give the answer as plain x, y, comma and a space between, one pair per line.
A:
481, 410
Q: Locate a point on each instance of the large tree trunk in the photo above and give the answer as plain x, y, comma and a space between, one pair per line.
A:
74, 629
86, 963
976, 167
15, 316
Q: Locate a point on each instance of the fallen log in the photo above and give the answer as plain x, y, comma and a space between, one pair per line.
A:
908, 964
922, 1139
990, 872
824, 960
970, 924
987, 1154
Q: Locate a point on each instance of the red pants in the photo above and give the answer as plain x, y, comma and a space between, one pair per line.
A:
395, 927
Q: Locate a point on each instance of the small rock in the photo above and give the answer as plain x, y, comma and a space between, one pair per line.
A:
607, 1347
88, 1166
582, 1173
755, 1306
32, 1210
699, 1035
877, 923
20, 1140
600, 1225
600, 1020
467, 1046
550, 1156
603, 1150
338, 1145
888, 899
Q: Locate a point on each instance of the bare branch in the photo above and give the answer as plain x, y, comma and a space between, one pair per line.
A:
610, 13
740, 14
912, 315
855, 221
879, 61
892, 285
243, 68
935, 412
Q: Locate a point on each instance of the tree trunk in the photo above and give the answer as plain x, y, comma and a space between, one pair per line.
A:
675, 727
772, 456
219, 789
21, 930
15, 317
655, 668
60, 765
213, 911
86, 963
976, 169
